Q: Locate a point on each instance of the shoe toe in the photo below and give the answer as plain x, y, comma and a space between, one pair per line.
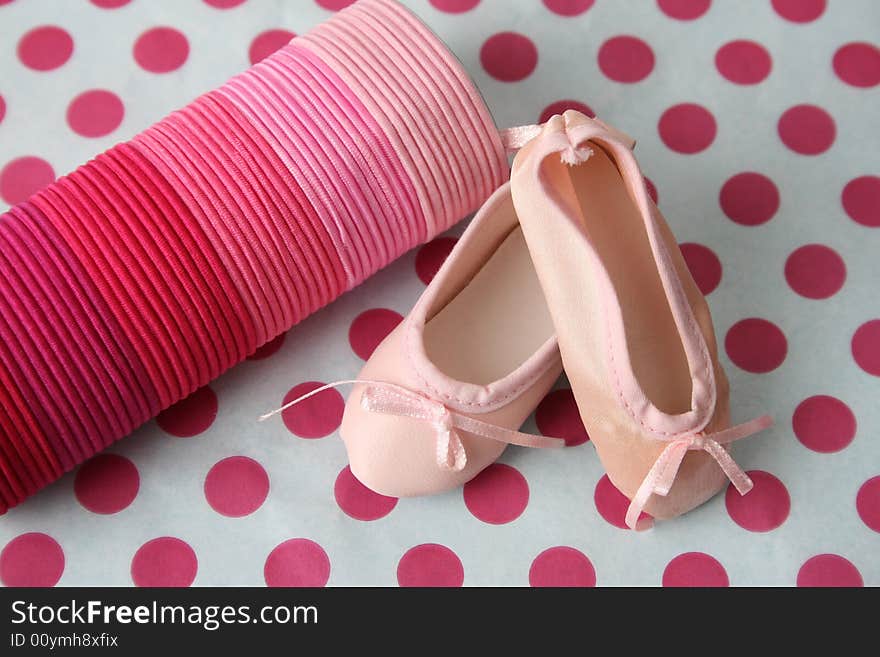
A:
397, 456
699, 480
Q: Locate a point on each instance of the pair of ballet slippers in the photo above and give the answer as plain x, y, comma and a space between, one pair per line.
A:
568, 266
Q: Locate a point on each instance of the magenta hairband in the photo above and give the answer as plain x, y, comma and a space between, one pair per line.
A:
108, 342
141, 276
63, 333
86, 320
41, 331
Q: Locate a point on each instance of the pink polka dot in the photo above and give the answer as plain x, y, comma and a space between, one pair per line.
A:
560, 107
743, 62
316, 416
24, 176
266, 43
45, 48
703, 264
165, 561
224, 4
826, 570
756, 345
31, 559
268, 349
498, 495
799, 11
687, 128
106, 483
858, 64
807, 129
652, 190
762, 509
749, 198
236, 486
95, 113
868, 503
110, 4
558, 416
431, 257
334, 5
612, 504
191, 416
455, 6
358, 501
297, 562
161, 50
861, 200
815, 271
824, 424
626, 59
430, 565
562, 566
695, 569
866, 347
568, 7
2, 109
509, 57
684, 10
369, 329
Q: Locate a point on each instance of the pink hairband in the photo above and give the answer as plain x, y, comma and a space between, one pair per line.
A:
364, 34
93, 240
139, 254
324, 274
390, 87
371, 178
143, 275
233, 167
249, 239
314, 179
176, 256
367, 138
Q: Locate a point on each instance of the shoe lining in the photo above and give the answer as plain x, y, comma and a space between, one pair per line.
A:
496, 322
616, 230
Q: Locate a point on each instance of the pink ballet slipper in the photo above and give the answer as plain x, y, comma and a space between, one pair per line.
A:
634, 331
445, 392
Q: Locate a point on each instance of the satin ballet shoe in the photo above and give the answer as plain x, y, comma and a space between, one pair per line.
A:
634, 331
443, 395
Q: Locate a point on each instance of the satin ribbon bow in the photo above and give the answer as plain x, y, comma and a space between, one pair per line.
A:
394, 399
662, 474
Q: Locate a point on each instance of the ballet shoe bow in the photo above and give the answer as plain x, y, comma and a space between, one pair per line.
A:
662, 474
394, 399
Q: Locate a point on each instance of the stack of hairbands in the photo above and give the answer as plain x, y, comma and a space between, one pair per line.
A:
147, 272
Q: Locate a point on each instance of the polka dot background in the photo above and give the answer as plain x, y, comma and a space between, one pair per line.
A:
757, 129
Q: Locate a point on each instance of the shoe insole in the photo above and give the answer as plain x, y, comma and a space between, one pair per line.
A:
617, 232
496, 322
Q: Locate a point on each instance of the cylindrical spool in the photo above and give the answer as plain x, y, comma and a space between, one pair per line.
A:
136, 279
